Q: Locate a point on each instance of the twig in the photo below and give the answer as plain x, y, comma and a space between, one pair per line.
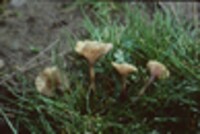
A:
195, 15
41, 62
171, 8
25, 67
41, 53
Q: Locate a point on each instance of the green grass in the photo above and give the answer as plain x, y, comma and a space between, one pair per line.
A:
169, 106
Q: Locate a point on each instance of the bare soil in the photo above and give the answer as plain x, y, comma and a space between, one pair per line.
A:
29, 27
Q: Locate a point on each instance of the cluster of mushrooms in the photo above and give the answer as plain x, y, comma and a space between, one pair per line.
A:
52, 79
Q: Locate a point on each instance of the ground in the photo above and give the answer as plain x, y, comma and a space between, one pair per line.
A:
29, 28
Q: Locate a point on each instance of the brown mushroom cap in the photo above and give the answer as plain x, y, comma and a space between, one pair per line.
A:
92, 50
158, 69
124, 68
48, 80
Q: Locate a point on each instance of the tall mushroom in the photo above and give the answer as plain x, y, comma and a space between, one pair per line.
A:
124, 70
92, 51
157, 71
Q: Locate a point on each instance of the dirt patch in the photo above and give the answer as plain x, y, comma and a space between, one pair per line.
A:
28, 28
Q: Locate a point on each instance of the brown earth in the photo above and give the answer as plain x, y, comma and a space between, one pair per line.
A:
30, 27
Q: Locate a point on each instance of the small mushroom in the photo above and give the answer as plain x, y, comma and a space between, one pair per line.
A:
92, 51
124, 70
157, 71
49, 80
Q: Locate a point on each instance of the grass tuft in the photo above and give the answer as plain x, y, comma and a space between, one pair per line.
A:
169, 106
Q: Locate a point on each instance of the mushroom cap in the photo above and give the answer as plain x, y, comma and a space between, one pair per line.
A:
92, 50
48, 80
158, 69
124, 68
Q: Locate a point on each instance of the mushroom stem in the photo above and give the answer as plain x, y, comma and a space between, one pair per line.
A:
151, 79
92, 77
123, 83
123, 93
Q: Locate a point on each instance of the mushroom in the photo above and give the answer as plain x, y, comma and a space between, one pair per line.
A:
49, 80
157, 71
124, 70
92, 51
